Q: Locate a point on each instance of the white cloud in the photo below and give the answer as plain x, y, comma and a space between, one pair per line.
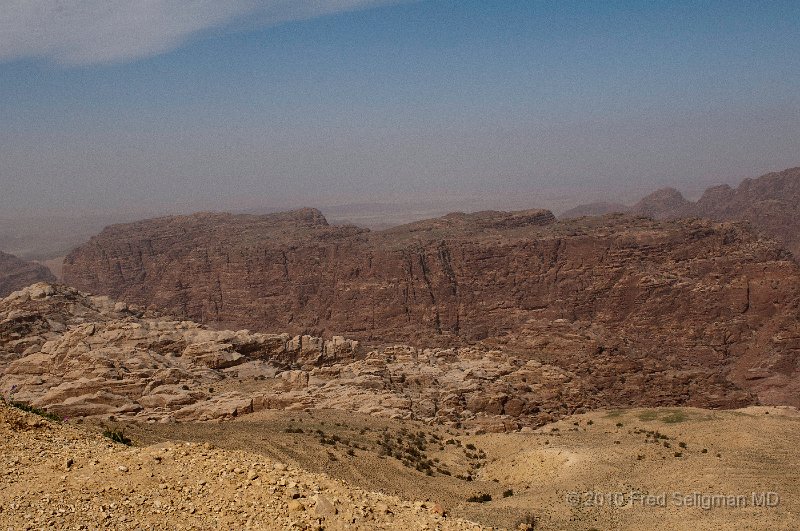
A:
79, 32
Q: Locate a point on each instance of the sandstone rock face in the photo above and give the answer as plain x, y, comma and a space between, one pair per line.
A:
645, 312
79, 355
16, 274
86, 356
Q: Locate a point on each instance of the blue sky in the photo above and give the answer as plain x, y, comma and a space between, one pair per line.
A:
279, 102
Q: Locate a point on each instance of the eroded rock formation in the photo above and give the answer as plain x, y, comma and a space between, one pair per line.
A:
647, 312
79, 355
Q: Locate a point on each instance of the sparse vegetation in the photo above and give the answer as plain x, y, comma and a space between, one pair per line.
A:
508, 493
22, 406
671, 416
674, 417
117, 435
480, 498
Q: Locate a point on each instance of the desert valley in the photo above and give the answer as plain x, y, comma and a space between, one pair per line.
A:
399, 264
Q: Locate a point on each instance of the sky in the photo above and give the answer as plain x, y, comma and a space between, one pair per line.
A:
164, 105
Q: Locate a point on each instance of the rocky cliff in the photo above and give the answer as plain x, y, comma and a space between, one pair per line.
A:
646, 312
87, 356
16, 274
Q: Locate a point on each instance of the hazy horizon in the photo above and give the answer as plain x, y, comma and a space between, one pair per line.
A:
136, 109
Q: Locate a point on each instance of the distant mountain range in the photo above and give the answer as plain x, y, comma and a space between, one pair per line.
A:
770, 203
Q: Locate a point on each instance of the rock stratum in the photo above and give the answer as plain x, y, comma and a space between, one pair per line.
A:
635, 311
770, 203
16, 274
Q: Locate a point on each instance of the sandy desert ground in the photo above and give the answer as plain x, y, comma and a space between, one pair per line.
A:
622, 469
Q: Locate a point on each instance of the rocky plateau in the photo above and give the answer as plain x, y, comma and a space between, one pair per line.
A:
629, 310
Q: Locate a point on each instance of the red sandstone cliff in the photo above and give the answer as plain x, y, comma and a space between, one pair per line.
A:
650, 312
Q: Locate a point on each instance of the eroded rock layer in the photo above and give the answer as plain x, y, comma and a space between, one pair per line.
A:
78, 355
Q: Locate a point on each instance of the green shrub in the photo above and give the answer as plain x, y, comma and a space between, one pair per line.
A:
117, 435
22, 406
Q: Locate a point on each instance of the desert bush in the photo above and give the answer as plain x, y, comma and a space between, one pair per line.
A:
480, 498
117, 435
22, 406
